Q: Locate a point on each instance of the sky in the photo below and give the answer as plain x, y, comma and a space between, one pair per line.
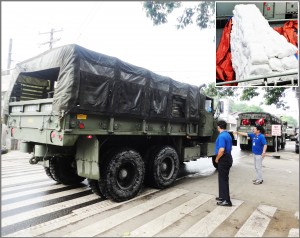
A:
119, 29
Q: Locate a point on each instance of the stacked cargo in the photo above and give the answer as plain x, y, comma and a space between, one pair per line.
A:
257, 49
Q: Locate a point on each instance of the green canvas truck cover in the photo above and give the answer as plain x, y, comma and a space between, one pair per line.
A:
82, 80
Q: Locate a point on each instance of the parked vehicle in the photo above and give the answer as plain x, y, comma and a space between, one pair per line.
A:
246, 122
83, 115
291, 132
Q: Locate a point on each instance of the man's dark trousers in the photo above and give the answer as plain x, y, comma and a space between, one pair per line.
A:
224, 165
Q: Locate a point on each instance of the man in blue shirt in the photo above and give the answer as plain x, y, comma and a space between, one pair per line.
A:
259, 148
224, 160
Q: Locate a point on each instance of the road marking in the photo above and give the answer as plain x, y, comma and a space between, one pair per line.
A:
21, 174
28, 192
155, 226
20, 217
294, 232
29, 178
18, 187
42, 198
114, 220
75, 216
257, 223
21, 170
21, 167
211, 221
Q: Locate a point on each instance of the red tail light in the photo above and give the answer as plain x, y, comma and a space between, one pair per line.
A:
53, 134
81, 125
89, 136
260, 122
12, 132
245, 122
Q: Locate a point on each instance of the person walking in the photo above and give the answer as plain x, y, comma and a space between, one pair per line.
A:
259, 148
224, 160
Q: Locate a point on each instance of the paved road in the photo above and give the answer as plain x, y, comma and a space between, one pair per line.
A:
34, 205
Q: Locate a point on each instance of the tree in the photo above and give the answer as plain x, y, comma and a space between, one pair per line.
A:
290, 120
243, 107
212, 91
202, 13
271, 95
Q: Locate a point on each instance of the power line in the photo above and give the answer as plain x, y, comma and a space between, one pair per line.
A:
51, 41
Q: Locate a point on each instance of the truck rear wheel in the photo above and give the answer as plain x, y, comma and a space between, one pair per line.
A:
47, 170
98, 187
62, 171
163, 166
244, 147
124, 175
273, 147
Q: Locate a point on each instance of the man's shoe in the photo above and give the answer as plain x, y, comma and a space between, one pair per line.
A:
257, 182
224, 203
254, 180
220, 199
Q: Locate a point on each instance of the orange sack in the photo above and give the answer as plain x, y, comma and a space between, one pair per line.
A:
289, 30
225, 71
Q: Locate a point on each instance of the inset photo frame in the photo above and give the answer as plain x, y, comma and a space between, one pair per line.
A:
257, 44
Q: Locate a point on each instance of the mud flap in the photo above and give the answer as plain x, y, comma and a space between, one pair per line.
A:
87, 157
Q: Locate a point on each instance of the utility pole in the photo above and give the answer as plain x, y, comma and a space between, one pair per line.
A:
51, 41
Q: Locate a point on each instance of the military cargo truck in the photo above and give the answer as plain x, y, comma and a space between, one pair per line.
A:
291, 132
248, 120
86, 115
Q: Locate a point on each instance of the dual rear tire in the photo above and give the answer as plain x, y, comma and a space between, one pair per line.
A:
63, 170
123, 172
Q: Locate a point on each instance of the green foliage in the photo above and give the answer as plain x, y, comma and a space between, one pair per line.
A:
244, 107
290, 120
271, 95
212, 91
248, 93
274, 96
158, 12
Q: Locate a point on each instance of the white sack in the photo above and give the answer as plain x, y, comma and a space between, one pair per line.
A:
263, 69
276, 64
256, 48
289, 62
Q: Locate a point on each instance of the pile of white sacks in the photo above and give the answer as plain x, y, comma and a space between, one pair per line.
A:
256, 48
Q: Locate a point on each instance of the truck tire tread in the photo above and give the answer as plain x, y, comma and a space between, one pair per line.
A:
123, 159
154, 157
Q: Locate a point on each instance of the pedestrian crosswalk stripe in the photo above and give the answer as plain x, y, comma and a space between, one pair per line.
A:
22, 174
46, 210
29, 178
257, 223
28, 192
114, 220
211, 221
21, 168
75, 216
42, 198
294, 232
155, 226
19, 187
